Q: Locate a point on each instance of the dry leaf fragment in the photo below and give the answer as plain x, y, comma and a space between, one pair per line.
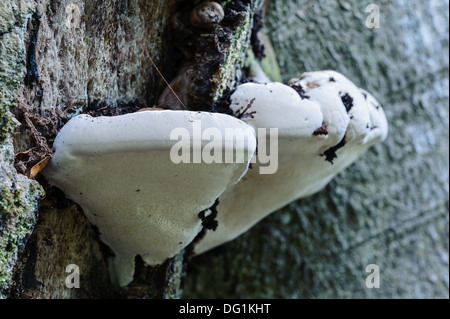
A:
39, 167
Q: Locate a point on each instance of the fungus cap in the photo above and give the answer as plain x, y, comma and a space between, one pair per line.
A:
120, 171
275, 105
343, 121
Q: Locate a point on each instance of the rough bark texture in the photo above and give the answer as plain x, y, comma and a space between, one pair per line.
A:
59, 59
85, 52
391, 207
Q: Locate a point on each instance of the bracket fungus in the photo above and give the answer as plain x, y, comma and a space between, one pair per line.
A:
127, 174
121, 171
207, 15
325, 123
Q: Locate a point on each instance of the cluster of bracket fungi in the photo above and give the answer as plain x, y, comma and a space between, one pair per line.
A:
119, 169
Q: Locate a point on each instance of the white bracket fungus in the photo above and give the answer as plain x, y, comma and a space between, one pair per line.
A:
145, 200
120, 171
325, 123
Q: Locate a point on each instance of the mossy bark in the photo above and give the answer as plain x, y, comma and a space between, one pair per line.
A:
391, 207
77, 54
19, 196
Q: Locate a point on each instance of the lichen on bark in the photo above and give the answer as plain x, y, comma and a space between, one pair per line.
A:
18, 215
19, 196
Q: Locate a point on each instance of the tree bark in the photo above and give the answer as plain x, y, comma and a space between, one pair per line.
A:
59, 59
390, 208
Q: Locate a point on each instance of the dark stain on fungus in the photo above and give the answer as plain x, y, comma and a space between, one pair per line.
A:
330, 154
365, 95
209, 222
299, 89
347, 100
376, 106
244, 114
321, 130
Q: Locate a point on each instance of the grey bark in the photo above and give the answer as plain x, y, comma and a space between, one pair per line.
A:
391, 207
57, 58
86, 52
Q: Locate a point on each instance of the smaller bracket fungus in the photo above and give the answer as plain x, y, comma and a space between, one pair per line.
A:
324, 124
207, 15
125, 174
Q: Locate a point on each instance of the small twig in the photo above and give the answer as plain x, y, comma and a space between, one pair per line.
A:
244, 114
170, 87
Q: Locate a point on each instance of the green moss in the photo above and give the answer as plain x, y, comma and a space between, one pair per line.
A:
7, 125
18, 203
235, 56
17, 220
12, 71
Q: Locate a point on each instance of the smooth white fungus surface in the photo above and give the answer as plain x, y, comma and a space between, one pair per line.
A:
325, 123
120, 171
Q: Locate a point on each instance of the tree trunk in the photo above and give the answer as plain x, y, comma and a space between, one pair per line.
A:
390, 208
62, 58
